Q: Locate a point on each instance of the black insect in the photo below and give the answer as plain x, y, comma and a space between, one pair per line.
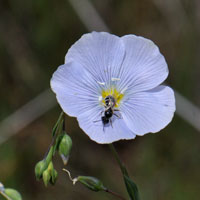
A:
110, 103
108, 113
105, 120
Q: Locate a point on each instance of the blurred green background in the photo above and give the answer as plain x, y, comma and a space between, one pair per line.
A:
34, 38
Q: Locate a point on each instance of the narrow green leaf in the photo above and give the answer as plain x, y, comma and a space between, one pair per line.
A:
130, 185
131, 188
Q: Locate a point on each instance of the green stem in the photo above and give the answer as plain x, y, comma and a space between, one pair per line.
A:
131, 187
60, 118
5, 196
56, 131
63, 128
121, 165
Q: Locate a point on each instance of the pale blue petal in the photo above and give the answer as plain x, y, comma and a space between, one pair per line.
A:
92, 125
135, 66
149, 111
100, 53
75, 89
144, 67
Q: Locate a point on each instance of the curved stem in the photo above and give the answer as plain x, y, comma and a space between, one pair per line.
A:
114, 194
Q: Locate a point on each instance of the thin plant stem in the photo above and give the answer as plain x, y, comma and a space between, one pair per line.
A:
131, 187
61, 117
52, 143
114, 194
74, 180
63, 122
121, 165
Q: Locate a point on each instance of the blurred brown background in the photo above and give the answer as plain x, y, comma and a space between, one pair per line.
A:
34, 38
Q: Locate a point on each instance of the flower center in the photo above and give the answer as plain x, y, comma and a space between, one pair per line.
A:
114, 93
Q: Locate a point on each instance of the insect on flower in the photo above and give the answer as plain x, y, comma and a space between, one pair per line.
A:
109, 111
112, 86
110, 102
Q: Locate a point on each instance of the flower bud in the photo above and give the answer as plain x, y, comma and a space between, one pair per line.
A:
12, 194
46, 176
54, 175
39, 169
65, 147
91, 182
43, 164
49, 175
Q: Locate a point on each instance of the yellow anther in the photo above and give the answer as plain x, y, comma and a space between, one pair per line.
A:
113, 92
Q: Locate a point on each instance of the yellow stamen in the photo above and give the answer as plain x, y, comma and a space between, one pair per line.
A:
113, 92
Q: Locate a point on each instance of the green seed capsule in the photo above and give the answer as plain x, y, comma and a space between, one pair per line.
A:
42, 165
54, 175
65, 145
39, 168
46, 176
64, 148
91, 182
12, 194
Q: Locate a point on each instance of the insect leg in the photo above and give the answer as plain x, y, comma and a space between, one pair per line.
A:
103, 128
119, 116
100, 119
97, 121
111, 122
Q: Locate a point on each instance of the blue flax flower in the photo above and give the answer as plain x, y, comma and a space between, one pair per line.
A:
112, 86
